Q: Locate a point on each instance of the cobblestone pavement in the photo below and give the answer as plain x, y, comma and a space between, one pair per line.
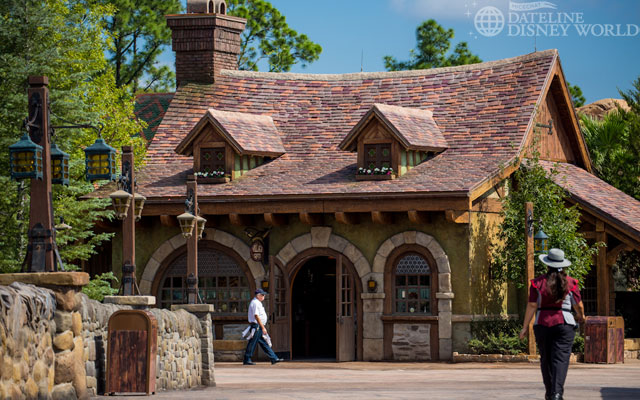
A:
360, 380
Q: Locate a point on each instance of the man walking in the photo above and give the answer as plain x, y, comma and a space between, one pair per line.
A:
257, 321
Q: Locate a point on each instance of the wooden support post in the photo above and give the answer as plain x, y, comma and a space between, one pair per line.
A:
192, 245
40, 257
528, 224
347, 218
602, 271
129, 227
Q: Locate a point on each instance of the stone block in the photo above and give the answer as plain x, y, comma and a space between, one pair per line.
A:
76, 323
397, 240
6, 370
130, 300
320, 236
352, 253
224, 238
40, 371
63, 321
444, 305
63, 391
444, 325
372, 305
444, 349
66, 298
362, 266
372, 349
242, 249
372, 326
145, 286
177, 241
301, 243
31, 389
337, 243
151, 268
63, 341
444, 282
92, 382
287, 253
194, 308
386, 248
378, 264
442, 261
409, 237
423, 240
46, 279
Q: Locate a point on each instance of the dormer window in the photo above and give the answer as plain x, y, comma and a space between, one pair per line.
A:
391, 140
226, 145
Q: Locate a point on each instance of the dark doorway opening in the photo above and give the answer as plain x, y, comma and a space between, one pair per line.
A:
313, 305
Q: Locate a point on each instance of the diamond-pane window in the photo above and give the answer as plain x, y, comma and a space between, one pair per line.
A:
412, 281
212, 159
377, 155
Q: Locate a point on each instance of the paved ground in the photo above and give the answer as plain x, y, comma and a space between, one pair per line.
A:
358, 380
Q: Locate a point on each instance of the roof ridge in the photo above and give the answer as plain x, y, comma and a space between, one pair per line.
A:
387, 74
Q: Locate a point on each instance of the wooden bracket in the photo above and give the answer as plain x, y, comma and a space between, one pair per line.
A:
418, 217
275, 219
240, 219
380, 217
347, 218
311, 218
456, 216
612, 255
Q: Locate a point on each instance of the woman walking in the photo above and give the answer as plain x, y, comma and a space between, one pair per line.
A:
551, 297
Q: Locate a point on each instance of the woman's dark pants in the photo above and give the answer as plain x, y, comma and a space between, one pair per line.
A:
554, 344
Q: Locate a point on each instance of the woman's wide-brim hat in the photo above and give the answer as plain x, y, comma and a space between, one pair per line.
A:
555, 259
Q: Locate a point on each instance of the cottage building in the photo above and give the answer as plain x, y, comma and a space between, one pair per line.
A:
378, 194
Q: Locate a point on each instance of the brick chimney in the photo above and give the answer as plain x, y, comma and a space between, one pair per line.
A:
205, 40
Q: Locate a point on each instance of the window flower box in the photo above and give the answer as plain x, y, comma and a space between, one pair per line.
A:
376, 174
212, 177
375, 177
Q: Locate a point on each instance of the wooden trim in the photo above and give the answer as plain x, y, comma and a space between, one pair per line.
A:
274, 219
240, 219
409, 318
312, 219
381, 217
419, 217
362, 177
347, 218
490, 182
457, 217
488, 205
602, 271
612, 255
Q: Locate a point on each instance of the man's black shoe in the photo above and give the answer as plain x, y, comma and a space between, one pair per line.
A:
248, 363
556, 396
277, 360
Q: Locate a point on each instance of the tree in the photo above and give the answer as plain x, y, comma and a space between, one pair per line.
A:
576, 95
268, 37
433, 43
65, 40
140, 34
532, 183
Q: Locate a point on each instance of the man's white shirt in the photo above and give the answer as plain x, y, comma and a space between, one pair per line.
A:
256, 308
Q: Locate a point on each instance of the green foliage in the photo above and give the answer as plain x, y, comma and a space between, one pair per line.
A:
615, 150
628, 266
433, 43
578, 343
268, 37
531, 183
576, 95
496, 337
100, 286
140, 34
65, 40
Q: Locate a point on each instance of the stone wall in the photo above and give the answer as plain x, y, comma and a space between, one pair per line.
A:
26, 329
411, 342
179, 360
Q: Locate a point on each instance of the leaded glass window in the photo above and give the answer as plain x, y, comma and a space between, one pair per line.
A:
212, 159
377, 156
221, 282
412, 285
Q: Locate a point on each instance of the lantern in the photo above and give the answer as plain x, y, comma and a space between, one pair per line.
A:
541, 242
265, 285
59, 166
186, 221
200, 226
25, 159
121, 201
138, 205
100, 161
372, 285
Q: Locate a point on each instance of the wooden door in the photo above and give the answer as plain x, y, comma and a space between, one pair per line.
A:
345, 314
278, 318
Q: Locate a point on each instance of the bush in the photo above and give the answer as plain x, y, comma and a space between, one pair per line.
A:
578, 344
496, 337
100, 286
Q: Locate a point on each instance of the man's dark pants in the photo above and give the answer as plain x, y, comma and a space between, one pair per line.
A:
554, 344
258, 339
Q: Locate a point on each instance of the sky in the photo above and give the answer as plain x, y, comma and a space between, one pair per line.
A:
598, 40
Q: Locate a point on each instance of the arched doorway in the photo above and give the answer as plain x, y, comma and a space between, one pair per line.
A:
325, 317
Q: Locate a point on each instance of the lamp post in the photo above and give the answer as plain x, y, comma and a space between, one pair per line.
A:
128, 206
192, 227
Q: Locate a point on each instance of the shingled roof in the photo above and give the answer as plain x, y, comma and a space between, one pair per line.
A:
413, 127
150, 108
598, 196
247, 133
483, 110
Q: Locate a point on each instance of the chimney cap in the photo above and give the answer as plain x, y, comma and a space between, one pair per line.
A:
206, 7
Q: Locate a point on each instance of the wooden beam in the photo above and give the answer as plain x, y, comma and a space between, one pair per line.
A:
530, 268
602, 271
168, 220
457, 217
311, 218
240, 219
275, 219
347, 218
589, 234
419, 217
612, 255
380, 217
489, 205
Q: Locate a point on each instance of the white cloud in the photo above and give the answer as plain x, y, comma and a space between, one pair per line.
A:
452, 9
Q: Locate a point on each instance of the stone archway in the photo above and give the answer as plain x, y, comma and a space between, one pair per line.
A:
444, 294
169, 246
